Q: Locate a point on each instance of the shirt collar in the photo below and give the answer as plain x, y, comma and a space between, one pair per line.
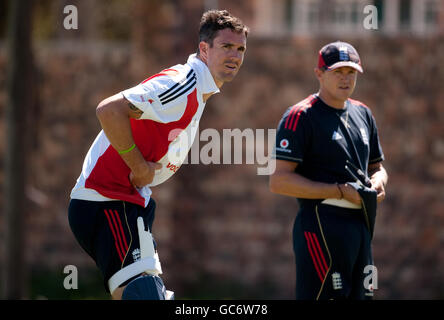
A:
208, 85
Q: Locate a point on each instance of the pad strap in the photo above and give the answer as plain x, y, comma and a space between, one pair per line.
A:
149, 265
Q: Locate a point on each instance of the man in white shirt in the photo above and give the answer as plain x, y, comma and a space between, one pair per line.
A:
147, 133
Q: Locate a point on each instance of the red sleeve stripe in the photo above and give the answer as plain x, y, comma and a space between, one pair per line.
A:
297, 118
293, 111
290, 116
166, 72
307, 105
293, 117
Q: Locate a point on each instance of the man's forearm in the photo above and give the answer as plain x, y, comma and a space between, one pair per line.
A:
295, 185
379, 175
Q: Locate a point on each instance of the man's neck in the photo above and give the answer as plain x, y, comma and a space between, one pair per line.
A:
206, 96
219, 84
331, 101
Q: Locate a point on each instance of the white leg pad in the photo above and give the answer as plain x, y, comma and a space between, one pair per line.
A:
138, 267
149, 262
147, 247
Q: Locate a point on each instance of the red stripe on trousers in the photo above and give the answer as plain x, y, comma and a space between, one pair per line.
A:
121, 230
317, 253
114, 235
312, 256
119, 235
320, 251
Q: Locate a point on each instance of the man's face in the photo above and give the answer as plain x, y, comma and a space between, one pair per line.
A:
226, 55
339, 83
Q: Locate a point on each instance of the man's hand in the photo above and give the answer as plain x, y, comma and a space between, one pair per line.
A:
378, 185
378, 177
145, 175
349, 193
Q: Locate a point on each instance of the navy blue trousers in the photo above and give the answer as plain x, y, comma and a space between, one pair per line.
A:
332, 247
107, 231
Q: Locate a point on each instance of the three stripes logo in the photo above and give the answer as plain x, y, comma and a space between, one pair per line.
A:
315, 250
117, 230
179, 88
295, 112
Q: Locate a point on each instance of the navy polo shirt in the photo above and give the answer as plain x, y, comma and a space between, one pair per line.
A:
321, 138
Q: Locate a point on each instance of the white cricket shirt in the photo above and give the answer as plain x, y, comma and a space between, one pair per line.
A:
172, 106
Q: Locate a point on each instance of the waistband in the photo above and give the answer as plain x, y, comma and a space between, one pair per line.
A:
343, 203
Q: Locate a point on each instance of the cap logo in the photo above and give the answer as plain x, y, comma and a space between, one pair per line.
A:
343, 54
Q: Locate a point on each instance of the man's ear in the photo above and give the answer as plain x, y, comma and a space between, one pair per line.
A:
203, 50
318, 72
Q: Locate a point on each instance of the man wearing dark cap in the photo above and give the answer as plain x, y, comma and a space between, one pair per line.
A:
328, 156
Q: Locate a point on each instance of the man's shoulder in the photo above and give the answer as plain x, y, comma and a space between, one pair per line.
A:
358, 104
171, 85
170, 76
294, 114
360, 107
304, 104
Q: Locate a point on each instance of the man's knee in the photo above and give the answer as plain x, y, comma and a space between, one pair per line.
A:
146, 287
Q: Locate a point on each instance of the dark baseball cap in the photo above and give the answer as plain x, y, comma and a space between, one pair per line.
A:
339, 54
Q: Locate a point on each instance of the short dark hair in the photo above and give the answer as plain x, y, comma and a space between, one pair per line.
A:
214, 20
